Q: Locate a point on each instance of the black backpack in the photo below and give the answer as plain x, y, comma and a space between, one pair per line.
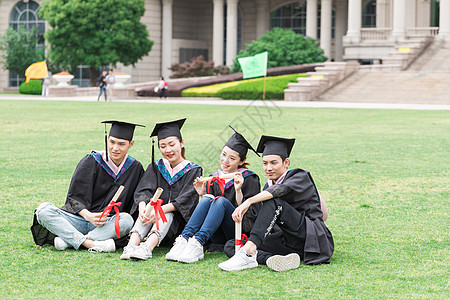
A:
100, 80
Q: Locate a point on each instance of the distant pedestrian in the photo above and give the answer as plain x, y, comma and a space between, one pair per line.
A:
45, 84
110, 80
163, 87
101, 83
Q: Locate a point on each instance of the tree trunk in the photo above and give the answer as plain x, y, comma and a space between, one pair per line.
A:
93, 76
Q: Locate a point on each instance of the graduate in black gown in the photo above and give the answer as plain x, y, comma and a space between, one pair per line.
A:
175, 175
95, 181
292, 205
211, 219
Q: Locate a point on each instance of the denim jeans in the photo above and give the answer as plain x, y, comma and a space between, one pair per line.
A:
102, 90
74, 229
144, 230
211, 220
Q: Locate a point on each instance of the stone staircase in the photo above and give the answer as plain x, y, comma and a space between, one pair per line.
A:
437, 57
319, 81
426, 81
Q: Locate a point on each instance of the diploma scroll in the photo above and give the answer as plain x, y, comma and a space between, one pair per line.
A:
237, 236
112, 204
117, 194
148, 208
223, 176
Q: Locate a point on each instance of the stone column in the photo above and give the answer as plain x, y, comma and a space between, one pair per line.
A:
262, 17
166, 55
325, 27
354, 21
340, 28
382, 13
444, 20
232, 18
399, 20
311, 18
218, 27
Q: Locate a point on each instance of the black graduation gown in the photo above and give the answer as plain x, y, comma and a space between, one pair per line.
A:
250, 187
178, 190
92, 187
299, 191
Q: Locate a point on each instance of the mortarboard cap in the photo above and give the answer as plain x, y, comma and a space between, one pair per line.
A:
120, 130
166, 129
239, 144
271, 145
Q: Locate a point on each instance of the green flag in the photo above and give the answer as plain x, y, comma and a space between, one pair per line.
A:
254, 66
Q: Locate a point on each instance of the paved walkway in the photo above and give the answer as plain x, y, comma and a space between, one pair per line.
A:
216, 101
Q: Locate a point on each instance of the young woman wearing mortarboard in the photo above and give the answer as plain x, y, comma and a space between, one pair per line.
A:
211, 219
175, 175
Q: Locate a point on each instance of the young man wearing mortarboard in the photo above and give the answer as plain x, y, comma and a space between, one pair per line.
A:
95, 181
290, 201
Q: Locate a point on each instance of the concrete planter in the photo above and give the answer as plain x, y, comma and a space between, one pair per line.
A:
63, 80
120, 80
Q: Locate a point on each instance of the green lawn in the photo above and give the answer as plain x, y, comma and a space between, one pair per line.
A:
383, 173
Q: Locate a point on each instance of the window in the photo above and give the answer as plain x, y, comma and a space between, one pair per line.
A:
81, 76
290, 16
369, 14
25, 14
293, 16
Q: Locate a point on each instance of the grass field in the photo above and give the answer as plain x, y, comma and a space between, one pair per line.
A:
383, 173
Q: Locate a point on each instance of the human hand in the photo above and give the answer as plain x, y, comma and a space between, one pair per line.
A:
95, 219
238, 181
240, 211
200, 186
147, 219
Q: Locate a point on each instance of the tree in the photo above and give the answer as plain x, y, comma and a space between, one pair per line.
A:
95, 33
19, 49
285, 47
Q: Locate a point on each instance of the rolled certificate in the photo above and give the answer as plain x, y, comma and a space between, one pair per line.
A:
117, 194
238, 236
148, 208
223, 176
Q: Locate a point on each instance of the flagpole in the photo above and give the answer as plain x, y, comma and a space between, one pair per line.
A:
264, 90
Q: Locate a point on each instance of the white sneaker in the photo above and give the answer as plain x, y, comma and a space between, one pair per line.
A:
127, 250
177, 248
239, 261
60, 244
141, 252
103, 246
283, 262
192, 252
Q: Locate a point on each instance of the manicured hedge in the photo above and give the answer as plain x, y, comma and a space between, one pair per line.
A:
251, 89
34, 87
178, 85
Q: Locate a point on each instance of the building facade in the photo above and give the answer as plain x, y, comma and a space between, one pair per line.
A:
362, 30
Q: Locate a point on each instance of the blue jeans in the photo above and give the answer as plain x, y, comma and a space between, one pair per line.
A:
102, 90
211, 220
74, 229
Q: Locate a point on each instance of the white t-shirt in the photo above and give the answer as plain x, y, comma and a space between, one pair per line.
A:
110, 78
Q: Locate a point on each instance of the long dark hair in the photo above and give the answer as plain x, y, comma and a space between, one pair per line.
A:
244, 165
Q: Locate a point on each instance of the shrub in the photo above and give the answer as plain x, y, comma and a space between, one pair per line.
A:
251, 89
197, 67
285, 48
34, 87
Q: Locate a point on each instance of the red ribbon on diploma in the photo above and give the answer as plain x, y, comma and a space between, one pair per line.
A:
239, 242
159, 212
108, 209
220, 182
